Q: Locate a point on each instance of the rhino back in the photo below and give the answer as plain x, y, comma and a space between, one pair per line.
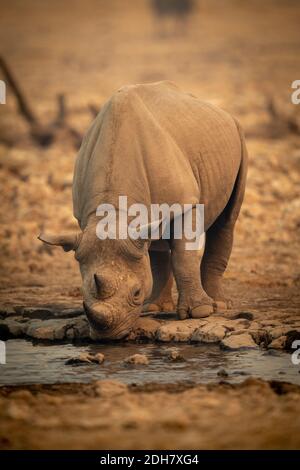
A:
155, 144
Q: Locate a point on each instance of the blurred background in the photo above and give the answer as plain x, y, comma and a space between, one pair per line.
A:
63, 59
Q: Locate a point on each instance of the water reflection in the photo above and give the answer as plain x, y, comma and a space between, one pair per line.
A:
29, 363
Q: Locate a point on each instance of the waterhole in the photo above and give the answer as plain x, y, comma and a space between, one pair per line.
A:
30, 363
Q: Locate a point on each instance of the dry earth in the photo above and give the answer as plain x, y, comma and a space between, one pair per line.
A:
109, 415
243, 57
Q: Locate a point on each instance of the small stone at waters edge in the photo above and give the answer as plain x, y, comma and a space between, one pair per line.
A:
137, 359
86, 358
175, 356
222, 373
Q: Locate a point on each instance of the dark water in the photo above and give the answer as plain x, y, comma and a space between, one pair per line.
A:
28, 363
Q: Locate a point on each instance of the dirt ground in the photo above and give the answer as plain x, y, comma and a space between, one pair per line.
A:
109, 415
242, 56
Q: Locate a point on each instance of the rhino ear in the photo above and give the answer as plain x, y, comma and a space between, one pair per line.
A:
67, 242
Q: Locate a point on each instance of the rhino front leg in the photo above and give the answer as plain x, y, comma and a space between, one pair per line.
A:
161, 297
218, 246
192, 299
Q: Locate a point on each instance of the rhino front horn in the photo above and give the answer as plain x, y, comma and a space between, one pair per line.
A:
68, 242
105, 286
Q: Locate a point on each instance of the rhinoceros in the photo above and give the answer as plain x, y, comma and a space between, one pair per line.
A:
155, 144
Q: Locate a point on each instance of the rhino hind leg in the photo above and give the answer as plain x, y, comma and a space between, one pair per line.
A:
193, 301
218, 246
161, 297
219, 237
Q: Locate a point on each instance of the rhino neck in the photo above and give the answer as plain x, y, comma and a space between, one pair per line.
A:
118, 203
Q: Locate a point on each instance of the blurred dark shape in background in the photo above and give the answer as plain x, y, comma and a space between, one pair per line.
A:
179, 8
176, 10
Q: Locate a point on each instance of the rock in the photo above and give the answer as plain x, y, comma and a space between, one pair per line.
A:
47, 329
14, 327
180, 331
86, 358
58, 329
175, 356
55, 311
254, 325
292, 336
44, 312
41, 333
242, 341
37, 312
98, 358
146, 328
229, 324
209, 334
110, 388
261, 337
278, 331
7, 311
278, 343
82, 359
70, 313
238, 324
19, 309
274, 323
222, 373
245, 315
239, 332
4, 331
70, 333
137, 359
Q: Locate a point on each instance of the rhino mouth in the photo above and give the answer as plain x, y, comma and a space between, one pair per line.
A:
103, 326
97, 320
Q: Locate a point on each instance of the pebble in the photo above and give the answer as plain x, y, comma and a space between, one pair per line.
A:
86, 358
278, 343
175, 356
222, 373
137, 359
146, 328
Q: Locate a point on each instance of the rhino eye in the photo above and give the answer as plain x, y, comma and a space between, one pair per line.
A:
137, 295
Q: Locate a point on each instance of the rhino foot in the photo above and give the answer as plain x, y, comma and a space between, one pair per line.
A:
167, 306
203, 310
221, 306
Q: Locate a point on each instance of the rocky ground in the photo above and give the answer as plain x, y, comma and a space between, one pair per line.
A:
233, 330
243, 58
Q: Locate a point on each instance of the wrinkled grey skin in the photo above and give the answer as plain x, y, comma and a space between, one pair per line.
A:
155, 144
116, 279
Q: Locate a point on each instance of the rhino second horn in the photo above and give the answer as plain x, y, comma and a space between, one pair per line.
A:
68, 242
98, 282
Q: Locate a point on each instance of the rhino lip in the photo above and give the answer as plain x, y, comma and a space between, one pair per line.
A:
119, 331
96, 323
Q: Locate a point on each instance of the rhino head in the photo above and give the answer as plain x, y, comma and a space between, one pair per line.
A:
116, 279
